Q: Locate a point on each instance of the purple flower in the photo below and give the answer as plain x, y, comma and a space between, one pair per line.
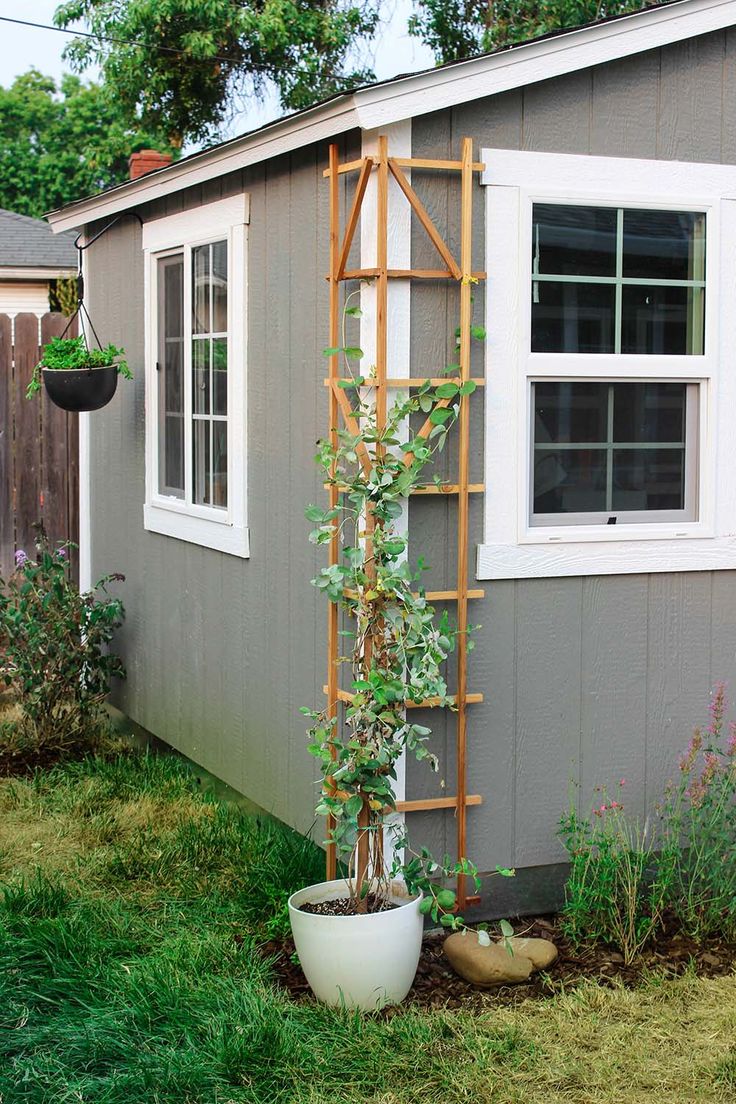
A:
61, 553
20, 558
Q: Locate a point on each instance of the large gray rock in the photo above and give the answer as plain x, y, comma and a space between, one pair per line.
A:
540, 952
485, 966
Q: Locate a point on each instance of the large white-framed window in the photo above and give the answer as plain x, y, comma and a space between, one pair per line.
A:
195, 270
611, 371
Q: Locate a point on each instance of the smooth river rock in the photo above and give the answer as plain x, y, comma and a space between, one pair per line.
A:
485, 966
541, 952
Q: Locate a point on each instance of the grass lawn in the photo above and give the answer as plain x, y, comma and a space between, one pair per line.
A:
130, 912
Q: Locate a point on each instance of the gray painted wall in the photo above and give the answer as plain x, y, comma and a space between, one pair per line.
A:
592, 679
586, 679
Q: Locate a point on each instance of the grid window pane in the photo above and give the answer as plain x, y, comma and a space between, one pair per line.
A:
219, 375
219, 464
664, 245
201, 375
649, 412
615, 280
569, 481
603, 448
570, 412
201, 466
201, 289
170, 366
578, 241
648, 479
662, 319
573, 318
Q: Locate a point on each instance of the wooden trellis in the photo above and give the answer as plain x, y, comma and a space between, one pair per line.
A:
339, 407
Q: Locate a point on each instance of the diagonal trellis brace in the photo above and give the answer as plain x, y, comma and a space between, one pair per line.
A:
365, 175
421, 213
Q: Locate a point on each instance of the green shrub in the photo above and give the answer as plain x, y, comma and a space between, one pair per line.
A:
55, 649
613, 892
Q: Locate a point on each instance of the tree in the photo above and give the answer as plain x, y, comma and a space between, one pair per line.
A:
178, 64
57, 145
457, 29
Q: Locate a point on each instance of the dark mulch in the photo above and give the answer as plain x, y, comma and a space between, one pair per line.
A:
343, 906
438, 986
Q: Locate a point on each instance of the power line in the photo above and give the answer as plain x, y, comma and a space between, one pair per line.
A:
143, 45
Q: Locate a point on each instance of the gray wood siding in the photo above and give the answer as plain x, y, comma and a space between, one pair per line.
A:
586, 680
221, 652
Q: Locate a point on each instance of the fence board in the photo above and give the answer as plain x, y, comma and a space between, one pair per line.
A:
39, 457
27, 417
7, 512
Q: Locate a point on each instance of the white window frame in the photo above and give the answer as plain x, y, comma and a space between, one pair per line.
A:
225, 530
513, 547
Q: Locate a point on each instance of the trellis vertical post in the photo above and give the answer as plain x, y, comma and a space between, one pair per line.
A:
334, 549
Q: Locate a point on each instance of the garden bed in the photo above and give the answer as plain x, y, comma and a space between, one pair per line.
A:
438, 986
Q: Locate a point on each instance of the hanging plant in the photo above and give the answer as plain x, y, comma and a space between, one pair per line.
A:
398, 649
76, 377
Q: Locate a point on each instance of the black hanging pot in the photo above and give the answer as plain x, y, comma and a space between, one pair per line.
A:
81, 388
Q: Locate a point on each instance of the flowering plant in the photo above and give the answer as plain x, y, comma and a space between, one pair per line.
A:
699, 828
613, 891
55, 656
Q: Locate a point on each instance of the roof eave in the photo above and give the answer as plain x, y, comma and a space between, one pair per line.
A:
418, 94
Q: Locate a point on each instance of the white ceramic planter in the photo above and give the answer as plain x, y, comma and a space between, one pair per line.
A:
360, 961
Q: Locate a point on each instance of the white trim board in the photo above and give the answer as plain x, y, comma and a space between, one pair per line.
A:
417, 94
222, 530
512, 547
39, 273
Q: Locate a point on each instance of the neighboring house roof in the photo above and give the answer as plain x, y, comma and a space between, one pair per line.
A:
30, 244
409, 95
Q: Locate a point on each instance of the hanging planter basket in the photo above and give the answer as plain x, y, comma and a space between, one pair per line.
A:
78, 389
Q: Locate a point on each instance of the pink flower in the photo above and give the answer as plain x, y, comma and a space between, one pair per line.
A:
622, 782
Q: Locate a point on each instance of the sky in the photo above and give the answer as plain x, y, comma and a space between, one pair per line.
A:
24, 47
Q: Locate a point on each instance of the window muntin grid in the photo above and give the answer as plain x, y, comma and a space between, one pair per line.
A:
209, 357
617, 280
593, 461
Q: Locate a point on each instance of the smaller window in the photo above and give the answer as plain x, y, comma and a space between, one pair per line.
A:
617, 280
607, 452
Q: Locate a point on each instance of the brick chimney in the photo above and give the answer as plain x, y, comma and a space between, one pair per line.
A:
145, 161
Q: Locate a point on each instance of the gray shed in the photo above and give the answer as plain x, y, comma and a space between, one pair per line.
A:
605, 536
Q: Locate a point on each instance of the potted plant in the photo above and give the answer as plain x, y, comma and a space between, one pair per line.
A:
76, 377
358, 937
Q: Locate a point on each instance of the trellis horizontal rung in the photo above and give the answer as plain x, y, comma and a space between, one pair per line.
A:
431, 595
405, 274
426, 703
426, 804
414, 381
411, 163
448, 489
430, 489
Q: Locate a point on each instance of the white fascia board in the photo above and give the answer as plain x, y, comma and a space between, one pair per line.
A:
418, 94
37, 273
537, 61
282, 137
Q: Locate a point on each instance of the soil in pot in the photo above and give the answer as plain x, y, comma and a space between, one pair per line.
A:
343, 906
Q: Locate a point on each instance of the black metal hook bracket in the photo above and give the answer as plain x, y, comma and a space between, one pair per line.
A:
81, 308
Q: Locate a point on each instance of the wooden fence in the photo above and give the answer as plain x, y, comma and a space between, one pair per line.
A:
39, 444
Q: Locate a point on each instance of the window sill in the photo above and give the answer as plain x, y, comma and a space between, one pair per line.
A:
611, 557
231, 539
